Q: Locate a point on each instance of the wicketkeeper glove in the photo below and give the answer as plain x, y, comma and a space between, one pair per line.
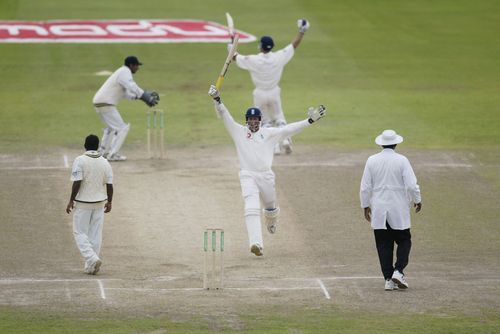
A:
303, 25
214, 93
316, 113
150, 98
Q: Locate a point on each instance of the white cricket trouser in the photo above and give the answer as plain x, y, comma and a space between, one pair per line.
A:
111, 117
87, 230
116, 131
269, 102
254, 187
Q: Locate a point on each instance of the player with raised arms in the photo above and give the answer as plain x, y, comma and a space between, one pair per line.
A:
255, 148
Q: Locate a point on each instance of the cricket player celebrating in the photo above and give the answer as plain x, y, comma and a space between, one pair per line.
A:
265, 70
120, 85
92, 191
255, 146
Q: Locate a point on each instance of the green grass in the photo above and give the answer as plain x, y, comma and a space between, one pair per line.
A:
308, 321
427, 69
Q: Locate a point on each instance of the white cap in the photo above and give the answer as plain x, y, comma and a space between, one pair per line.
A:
388, 137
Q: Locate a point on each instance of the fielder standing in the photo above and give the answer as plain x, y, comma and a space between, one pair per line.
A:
255, 146
388, 187
120, 85
265, 70
91, 197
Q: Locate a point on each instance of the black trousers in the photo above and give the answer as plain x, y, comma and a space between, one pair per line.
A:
385, 240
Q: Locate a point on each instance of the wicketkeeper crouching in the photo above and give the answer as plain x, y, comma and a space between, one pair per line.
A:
255, 148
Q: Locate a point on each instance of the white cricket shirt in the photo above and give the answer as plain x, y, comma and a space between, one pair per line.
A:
388, 187
266, 68
120, 85
95, 172
256, 149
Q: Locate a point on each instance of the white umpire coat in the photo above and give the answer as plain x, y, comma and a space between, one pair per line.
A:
389, 187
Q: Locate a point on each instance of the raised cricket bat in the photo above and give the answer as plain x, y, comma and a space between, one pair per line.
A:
230, 26
229, 58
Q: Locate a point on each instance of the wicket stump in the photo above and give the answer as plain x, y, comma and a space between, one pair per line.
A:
157, 149
213, 275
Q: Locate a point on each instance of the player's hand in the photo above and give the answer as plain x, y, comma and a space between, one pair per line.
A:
368, 214
70, 206
150, 98
214, 92
229, 47
107, 207
316, 113
418, 207
303, 25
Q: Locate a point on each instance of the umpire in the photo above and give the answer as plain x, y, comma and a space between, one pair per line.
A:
388, 187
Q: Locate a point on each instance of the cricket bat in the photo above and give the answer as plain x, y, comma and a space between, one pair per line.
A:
229, 58
230, 26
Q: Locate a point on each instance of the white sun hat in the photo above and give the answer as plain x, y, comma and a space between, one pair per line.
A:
388, 137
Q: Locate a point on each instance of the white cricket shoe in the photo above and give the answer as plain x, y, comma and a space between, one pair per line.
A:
94, 267
287, 145
271, 219
390, 285
117, 157
399, 279
256, 249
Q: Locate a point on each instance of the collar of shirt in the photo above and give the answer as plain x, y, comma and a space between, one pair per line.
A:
93, 154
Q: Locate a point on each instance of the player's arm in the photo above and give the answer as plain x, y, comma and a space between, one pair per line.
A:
222, 111
365, 192
314, 114
109, 192
303, 25
125, 80
74, 191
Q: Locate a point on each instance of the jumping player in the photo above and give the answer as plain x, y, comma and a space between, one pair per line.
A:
255, 146
120, 85
265, 70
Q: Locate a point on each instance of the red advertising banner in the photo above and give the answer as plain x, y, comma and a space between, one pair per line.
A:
116, 31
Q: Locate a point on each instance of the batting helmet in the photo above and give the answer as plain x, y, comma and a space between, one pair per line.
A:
253, 112
266, 43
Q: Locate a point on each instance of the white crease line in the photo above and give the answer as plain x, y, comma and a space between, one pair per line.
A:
226, 288
42, 280
66, 162
101, 288
350, 164
350, 277
325, 291
32, 168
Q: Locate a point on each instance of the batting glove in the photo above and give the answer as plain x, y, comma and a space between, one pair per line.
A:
229, 47
303, 25
214, 93
316, 113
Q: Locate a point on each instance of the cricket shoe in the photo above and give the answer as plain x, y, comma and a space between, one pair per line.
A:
399, 279
117, 157
271, 219
287, 145
94, 267
390, 285
256, 249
